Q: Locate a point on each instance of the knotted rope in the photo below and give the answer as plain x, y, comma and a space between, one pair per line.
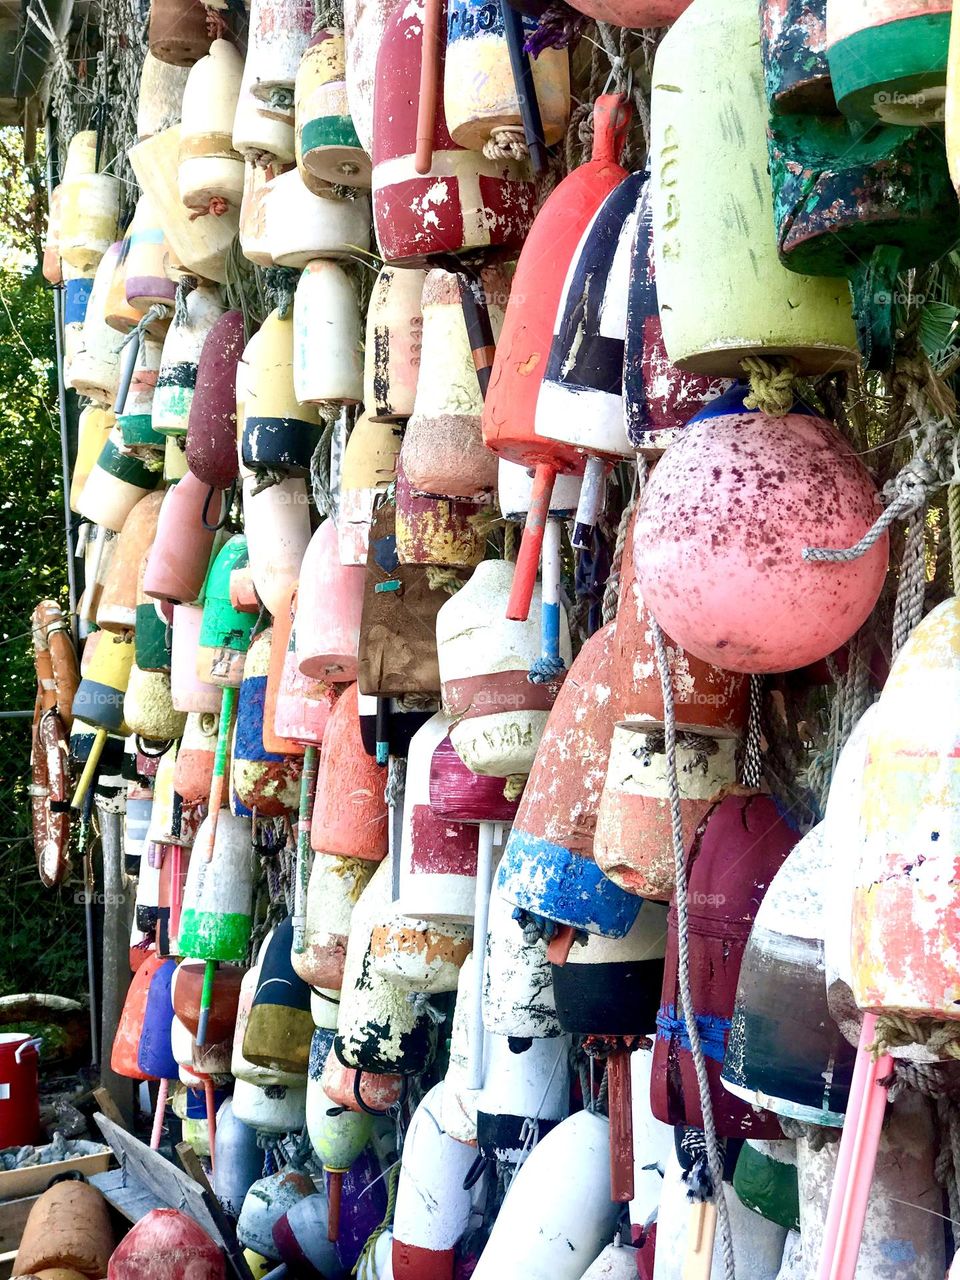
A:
321, 486
771, 385
714, 1156
507, 142
280, 284
185, 286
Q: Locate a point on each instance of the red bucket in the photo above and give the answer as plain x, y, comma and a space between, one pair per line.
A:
19, 1096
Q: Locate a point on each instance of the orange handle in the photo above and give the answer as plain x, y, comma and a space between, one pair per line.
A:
429, 84
620, 1096
528, 559
612, 114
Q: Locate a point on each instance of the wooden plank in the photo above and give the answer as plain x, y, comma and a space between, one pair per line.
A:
13, 1218
175, 1189
125, 1194
108, 1106
191, 1165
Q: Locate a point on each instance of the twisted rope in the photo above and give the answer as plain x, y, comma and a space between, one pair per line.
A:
506, 143
713, 1153
953, 515
369, 1249
611, 592
908, 609
321, 486
752, 767
771, 385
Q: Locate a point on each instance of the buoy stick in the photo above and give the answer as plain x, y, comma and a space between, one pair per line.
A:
211, 1117
429, 84
218, 782
590, 503
476, 316
480, 928
89, 769
856, 1160
157, 1131
86, 613
382, 730
128, 362
528, 559
703, 1232
206, 1000
308, 790
620, 1110
176, 890
334, 1197
550, 574
524, 84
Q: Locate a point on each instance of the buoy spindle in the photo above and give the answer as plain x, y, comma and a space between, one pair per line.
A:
218, 781
89, 769
480, 930
528, 558
429, 83
591, 502
308, 789
206, 1001
526, 88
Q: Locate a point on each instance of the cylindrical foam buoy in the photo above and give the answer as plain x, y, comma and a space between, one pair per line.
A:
180, 555
136, 420
328, 149
394, 337
161, 95
263, 780
367, 470
302, 226
95, 367
212, 425
118, 601
184, 342
277, 524
148, 283
210, 173
350, 812
68, 1226
438, 531
279, 1028
518, 997
190, 693
265, 1203
327, 367
329, 605
334, 888
178, 31
279, 433
216, 919
279, 34
239, 1160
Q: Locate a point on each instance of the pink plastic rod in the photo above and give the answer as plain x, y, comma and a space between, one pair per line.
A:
157, 1130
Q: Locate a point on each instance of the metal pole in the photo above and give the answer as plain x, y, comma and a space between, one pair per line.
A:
52, 177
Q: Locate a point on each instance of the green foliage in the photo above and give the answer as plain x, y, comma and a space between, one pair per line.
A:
41, 932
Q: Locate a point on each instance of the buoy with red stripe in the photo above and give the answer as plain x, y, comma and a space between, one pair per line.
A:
509, 411
265, 1203
472, 202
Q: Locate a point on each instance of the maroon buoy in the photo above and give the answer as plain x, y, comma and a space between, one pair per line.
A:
212, 426
736, 852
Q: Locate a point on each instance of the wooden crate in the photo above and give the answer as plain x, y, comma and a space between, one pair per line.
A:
30, 1181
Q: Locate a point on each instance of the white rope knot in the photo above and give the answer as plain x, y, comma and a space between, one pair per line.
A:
420, 1002
508, 142
933, 466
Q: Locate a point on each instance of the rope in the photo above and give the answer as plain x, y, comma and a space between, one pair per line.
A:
908, 609
771, 385
611, 592
513, 787
894, 1031
507, 142
243, 288
369, 1249
440, 578
321, 487
714, 1155
185, 286
419, 1002
752, 769
953, 514
327, 16
280, 286
546, 669
510, 541
559, 26
396, 782
947, 1165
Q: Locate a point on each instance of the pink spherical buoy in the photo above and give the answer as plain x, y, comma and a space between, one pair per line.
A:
164, 1245
723, 525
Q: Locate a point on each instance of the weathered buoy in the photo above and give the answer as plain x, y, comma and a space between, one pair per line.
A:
217, 903
443, 452
210, 173
634, 13
888, 59
480, 99
334, 888
765, 1181
337, 1135
178, 31
147, 282
756, 307
525, 1087
633, 845
799, 1066
433, 1209
263, 134
277, 524
211, 442
350, 814
224, 629
658, 398
392, 345
89, 206
439, 531
327, 366
736, 851
265, 1203
279, 434
329, 605
180, 555
279, 1028
328, 149
302, 226
473, 202
68, 1226
418, 954
550, 1225
905, 895
76, 296
264, 781
368, 469
759, 527
485, 661
116, 610
135, 418
190, 692
177, 381
95, 367
239, 1160
279, 33
518, 997
160, 97
296, 707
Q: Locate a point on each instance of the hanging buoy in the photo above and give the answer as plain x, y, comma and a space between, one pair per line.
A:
239, 1160
334, 888
179, 557
210, 173
392, 346
518, 997
147, 283
552, 1226
735, 486
178, 31
190, 693
265, 1204
888, 59
118, 313
177, 382
472, 202
419, 954
337, 1136
658, 398
350, 814
525, 1088
89, 206
211, 443
263, 134
328, 149
548, 867
437, 531
634, 13
279, 1028
329, 605
116, 610
296, 708
277, 523
485, 662
279, 434
755, 307
765, 1181
160, 97
327, 366
135, 420
50, 263
799, 1065
263, 780
302, 226
95, 367
443, 453
905, 890
433, 1209
736, 852
76, 297
279, 33
634, 832
367, 470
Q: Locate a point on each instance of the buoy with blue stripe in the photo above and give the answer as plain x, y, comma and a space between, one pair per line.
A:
547, 869
263, 780
95, 368
736, 852
279, 433
581, 396
148, 284
76, 296
155, 1050
280, 1027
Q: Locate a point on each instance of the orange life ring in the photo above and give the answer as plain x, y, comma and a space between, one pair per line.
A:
58, 675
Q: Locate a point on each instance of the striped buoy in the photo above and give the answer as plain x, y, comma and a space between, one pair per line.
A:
210, 172
328, 149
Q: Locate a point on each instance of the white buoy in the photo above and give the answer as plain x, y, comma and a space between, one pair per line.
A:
525, 1094
518, 981
327, 365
